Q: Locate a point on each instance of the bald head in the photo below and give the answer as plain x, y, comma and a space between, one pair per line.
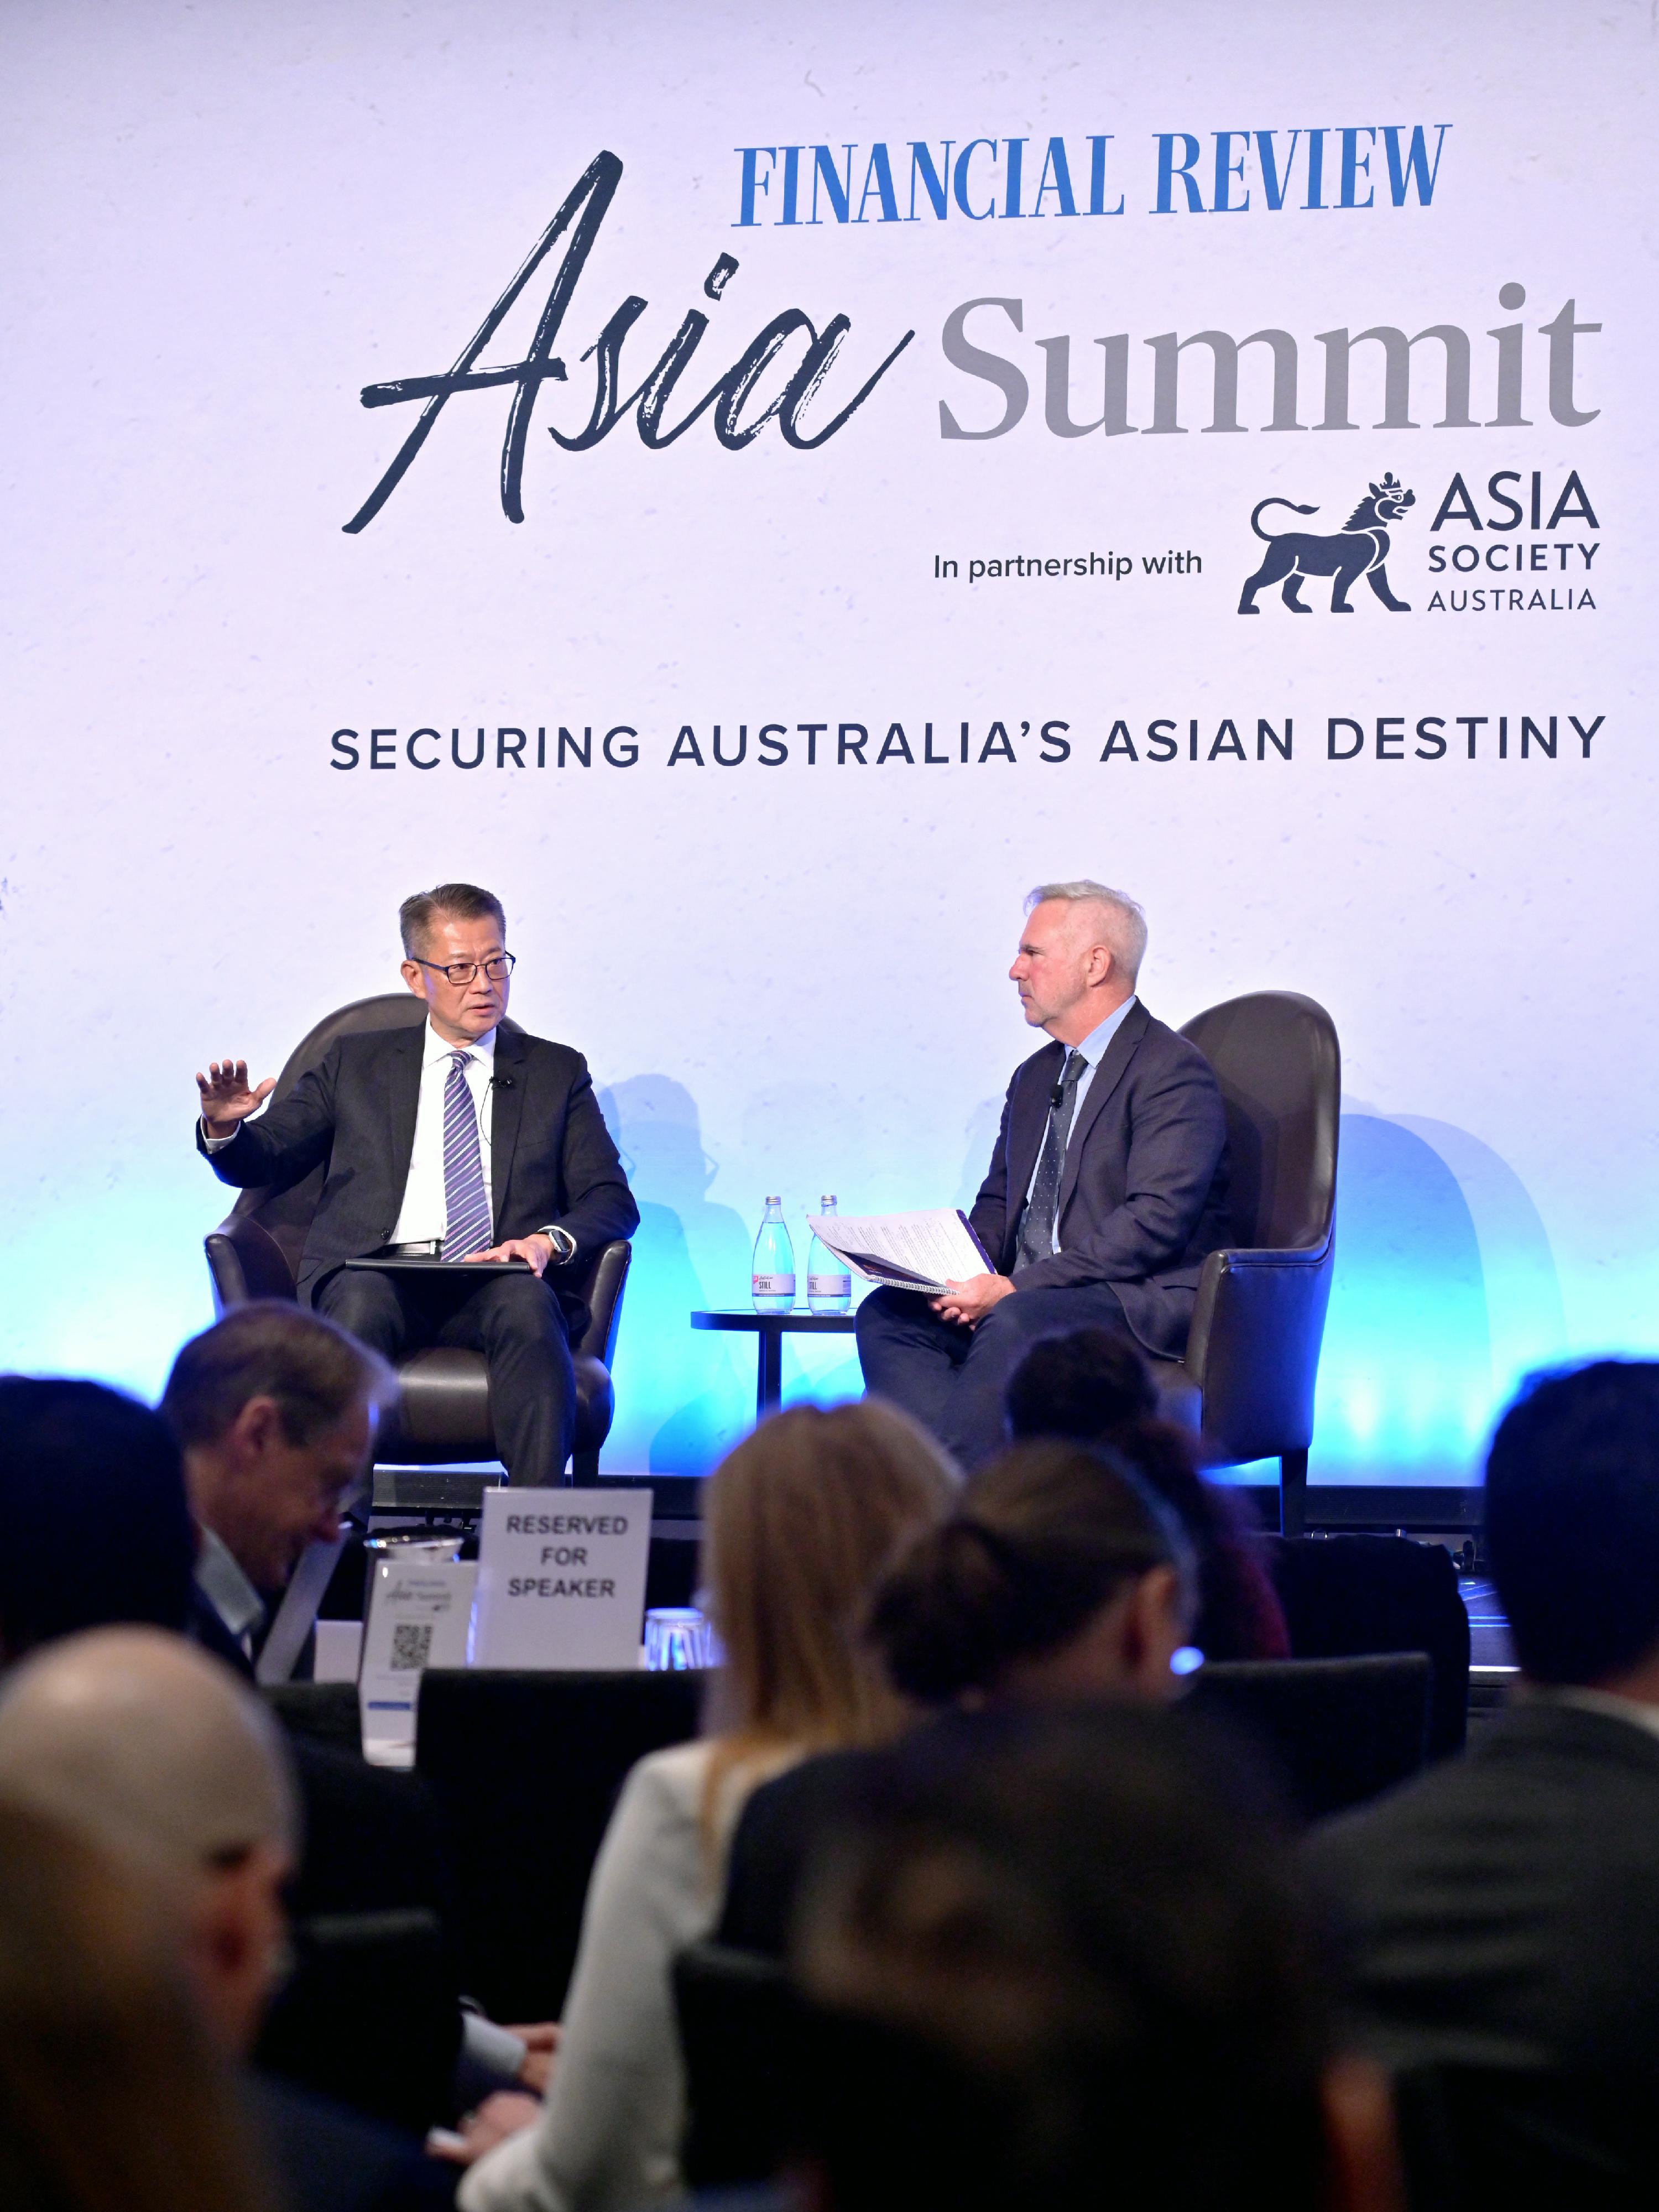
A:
146, 1744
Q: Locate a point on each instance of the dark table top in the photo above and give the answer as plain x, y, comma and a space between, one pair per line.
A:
745, 1318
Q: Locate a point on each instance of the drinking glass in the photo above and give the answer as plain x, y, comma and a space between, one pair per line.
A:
678, 1637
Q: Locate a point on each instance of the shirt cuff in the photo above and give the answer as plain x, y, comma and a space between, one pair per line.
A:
495, 2048
215, 1144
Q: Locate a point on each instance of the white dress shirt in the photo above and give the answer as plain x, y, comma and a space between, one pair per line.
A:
220, 1579
425, 1214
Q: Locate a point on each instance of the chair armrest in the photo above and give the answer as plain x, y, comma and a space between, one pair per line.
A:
246, 1261
606, 1279
1254, 1347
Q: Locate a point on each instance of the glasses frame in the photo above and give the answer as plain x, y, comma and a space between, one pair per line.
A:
460, 972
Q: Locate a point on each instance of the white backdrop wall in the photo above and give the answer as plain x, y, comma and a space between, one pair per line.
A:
225, 220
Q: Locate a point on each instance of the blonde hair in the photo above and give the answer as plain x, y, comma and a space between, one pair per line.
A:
801, 1522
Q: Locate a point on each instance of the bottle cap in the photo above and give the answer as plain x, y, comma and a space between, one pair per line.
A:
774, 1201
828, 1199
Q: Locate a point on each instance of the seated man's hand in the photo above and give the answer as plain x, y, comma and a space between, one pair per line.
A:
226, 1099
537, 1250
505, 2114
540, 2039
970, 1301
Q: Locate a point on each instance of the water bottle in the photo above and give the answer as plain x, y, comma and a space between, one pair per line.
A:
774, 1278
829, 1286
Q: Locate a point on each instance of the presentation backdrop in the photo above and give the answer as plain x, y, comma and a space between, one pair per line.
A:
761, 491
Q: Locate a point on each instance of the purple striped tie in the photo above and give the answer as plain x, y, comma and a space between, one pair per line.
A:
466, 1200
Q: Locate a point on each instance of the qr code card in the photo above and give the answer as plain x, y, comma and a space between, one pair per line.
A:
412, 1646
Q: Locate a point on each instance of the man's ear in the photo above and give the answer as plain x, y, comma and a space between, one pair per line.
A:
258, 1425
1363, 2150
415, 976
237, 1942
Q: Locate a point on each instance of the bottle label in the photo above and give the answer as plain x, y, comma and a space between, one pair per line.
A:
828, 1286
774, 1287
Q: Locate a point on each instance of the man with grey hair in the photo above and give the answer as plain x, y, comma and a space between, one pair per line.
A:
1107, 1188
275, 1411
458, 1139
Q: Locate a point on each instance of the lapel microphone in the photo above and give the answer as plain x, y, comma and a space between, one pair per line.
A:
502, 1082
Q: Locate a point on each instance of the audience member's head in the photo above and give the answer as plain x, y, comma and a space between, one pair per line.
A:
112, 2098
1058, 1959
799, 1524
1572, 1522
93, 1523
1095, 1385
275, 1409
1060, 1574
162, 1757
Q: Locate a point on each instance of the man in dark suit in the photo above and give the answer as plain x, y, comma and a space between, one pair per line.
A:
1107, 1188
275, 1410
464, 1140
1503, 1910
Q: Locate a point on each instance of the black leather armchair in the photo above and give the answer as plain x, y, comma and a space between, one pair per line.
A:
1253, 1349
443, 1413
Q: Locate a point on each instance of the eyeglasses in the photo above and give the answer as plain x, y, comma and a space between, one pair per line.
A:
498, 967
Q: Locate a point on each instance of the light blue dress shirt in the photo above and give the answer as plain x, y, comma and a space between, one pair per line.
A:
1093, 1049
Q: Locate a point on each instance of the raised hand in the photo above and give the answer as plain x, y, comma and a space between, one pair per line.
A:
226, 1098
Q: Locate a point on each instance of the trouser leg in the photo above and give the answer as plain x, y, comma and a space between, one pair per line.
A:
516, 1322
368, 1305
910, 1355
975, 1425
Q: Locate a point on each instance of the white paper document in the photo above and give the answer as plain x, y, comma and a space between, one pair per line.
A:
912, 1251
562, 1579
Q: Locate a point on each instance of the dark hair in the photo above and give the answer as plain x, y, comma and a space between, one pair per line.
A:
112, 2098
1095, 1385
95, 1527
1083, 1384
270, 1349
1053, 1947
1572, 1520
1044, 1537
465, 901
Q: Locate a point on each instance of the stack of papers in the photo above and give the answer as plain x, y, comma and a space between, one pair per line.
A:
912, 1251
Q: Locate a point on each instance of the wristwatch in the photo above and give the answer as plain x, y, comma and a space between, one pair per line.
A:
563, 1243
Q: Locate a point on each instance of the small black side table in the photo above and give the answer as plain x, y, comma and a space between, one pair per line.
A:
770, 1328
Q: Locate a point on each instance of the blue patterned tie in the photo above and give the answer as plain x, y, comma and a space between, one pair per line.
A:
1037, 1231
466, 1200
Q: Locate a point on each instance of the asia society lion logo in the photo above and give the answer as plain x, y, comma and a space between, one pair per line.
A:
1359, 548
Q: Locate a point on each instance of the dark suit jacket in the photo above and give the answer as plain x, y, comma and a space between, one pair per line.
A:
323, 2158
781, 1828
1503, 1910
1144, 1194
552, 1163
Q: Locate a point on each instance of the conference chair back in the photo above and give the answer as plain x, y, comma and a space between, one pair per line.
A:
1332, 1732
369, 2016
443, 1414
1345, 1596
1253, 1348
525, 1769
1477, 2138
740, 2028
319, 1712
